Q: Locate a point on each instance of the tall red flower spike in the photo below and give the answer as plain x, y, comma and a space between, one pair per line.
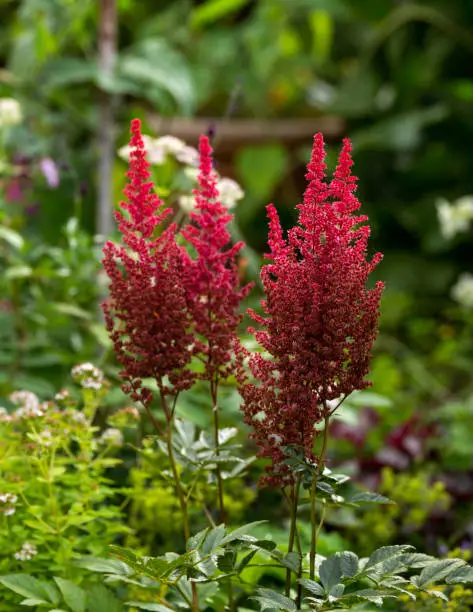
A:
147, 314
213, 282
321, 319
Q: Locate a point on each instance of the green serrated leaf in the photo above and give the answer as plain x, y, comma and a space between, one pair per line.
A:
213, 540
226, 562
330, 572
292, 560
462, 574
313, 587
370, 498
269, 599
434, 572
384, 553
104, 566
243, 530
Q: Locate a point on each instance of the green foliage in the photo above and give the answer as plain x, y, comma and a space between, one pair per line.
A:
416, 499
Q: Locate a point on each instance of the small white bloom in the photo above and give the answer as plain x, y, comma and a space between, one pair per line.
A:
187, 203
230, 192
45, 437
192, 173
170, 144
456, 217
10, 112
124, 152
26, 552
112, 436
62, 395
8, 498
9, 511
462, 291
188, 155
90, 383
79, 417
88, 376
28, 404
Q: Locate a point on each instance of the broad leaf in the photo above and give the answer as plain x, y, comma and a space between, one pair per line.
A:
269, 599
438, 571
74, 597
29, 587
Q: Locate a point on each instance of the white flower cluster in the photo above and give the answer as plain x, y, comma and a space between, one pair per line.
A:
10, 112
455, 217
462, 290
28, 404
79, 417
88, 376
62, 395
158, 149
26, 552
229, 194
7, 503
112, 436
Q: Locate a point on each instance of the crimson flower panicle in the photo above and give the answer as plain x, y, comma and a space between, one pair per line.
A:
213, 287
147, 314
320, 319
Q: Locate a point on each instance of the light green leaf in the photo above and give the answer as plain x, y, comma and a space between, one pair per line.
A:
101, 599
73, 596
212, 10
34, 602
213, 540
156, 66
72, 310
13, 238
104, 566
26, 585
148, 606
18, 272
243, 530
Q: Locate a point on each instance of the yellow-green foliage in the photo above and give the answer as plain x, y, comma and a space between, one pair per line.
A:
416, 498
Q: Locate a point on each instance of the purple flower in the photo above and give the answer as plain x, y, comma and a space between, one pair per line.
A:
50, 171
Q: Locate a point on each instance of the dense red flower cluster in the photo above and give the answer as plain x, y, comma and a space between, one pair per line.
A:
213, 278
148, 315
166, 305
321, 319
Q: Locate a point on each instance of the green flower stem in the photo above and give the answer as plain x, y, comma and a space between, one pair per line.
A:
213, 392
313, 494
177, 481
223, 516
294, 501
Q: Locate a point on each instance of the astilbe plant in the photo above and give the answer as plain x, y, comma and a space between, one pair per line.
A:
171, 307
321, 319
173, 315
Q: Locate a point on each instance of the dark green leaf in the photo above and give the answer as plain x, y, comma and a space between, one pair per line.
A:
269, 599
437, 571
